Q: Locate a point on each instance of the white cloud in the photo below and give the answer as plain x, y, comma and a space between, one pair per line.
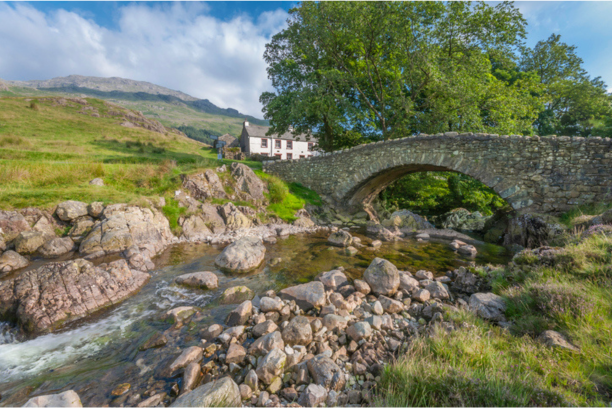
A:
178, 46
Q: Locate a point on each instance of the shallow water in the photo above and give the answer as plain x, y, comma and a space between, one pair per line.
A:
94, 355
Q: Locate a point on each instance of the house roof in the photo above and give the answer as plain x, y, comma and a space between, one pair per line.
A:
227, 138
260, 131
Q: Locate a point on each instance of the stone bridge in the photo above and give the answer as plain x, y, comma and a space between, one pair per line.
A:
533, 174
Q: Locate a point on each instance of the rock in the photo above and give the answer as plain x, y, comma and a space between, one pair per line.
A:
191, 377
360, 330
155, 341
95, 209
245, 391
11, 261
468, 250
64, 399
390, 305
289, 394
202, 186
240, 315
437, 290
333, 279
251, 380
362, 286
461, 219
531, 231
382, 276
191, 354
307, 296
123, 226
326, 373
489, 306
272, 365
180, 314
298, 332
265, 344
204, 280
56, 247
194, 228
59, 292
264, 328
97, 182
222, 392
407, 282
552, 338
28, 242
71, 210
422, 275
312, 396
275, 386
121, 389
80, 228
247, 181
335, 322
268, 304
304, 222
354, 397
376, 243
235, 354
423, 236
340, 238
243, 255
377, 308
12, 224
421, 295
407, 220
153, 401
211, 332
236, 294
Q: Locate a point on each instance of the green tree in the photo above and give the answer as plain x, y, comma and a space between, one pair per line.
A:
349, 72
576, 104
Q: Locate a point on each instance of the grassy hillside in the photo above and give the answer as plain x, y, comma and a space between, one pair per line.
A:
49, 152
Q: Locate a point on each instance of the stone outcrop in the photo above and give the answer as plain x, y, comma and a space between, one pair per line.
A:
247, 181
406, 220
244, 255
461, 219
194, 227
58, 292
530, 231
204, 185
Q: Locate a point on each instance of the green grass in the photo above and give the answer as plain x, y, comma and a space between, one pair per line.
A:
481, 364
172, 211
578, 214
287, 199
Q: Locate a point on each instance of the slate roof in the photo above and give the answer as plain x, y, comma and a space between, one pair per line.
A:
260, 131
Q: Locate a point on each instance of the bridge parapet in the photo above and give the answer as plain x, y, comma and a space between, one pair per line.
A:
534, 174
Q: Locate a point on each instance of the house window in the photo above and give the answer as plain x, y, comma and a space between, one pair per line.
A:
289, 155
264, 143
302, 156
310, 147
277, 144
289, 144
264, 154
279, 155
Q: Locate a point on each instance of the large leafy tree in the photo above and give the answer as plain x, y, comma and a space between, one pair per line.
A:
349, 71
576, 104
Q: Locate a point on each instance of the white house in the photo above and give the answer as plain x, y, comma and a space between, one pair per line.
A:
253, 140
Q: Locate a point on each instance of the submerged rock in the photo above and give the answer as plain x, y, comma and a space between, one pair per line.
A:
236, 294
243, 255
58, 292
340, 238
204, 280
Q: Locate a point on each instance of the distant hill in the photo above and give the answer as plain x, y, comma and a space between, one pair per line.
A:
171, 108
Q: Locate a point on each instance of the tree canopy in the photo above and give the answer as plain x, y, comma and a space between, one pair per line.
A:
352, 72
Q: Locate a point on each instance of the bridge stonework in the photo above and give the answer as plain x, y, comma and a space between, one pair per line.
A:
533, 174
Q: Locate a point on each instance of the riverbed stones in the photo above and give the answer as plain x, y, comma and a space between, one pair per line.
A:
236, 294
203, 280
265, 344
191, 376
65, 399
307, 296
189, 355
423, 274
326, 373
268, 304
244, 255
235, 354
334, 322
437, 290
221, 392
56, 247
390, 305
271, 366
28, 242
11, 261
407, 282
179, 314
382, 276
359, 331
194, 227
313, 396
362, 286
332, 280
155, 341
421, 295
489, 306
211, 332
240, 315
298, 332
59, 292
264, 328
340, 238
71, 210
552, 338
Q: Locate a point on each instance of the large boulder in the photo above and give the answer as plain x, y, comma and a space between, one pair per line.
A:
12, 224
223, 392
247, 181
204, 185
11, 261
123, 226
461, 219
56, 247
65, 399
204, 280
71, 210
326, 373
307, 296
244, 255
489, 306
531, 231
406, 221
340, 238
58, 292
382, 276
28, 242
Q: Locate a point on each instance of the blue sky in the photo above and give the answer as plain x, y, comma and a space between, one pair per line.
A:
214, 50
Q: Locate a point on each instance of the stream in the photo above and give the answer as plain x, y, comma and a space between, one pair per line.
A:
94, 355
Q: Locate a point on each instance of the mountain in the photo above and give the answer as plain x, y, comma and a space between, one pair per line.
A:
171, 108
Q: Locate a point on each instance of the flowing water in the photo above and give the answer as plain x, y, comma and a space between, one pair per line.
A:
94, 355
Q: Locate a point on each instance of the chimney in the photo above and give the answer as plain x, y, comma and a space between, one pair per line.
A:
246, 123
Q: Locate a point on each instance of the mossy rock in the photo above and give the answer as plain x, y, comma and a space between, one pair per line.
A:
236, 294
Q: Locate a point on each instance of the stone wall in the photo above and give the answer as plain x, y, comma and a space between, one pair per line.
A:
532, 173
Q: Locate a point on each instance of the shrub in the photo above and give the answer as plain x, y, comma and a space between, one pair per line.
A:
34, 106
